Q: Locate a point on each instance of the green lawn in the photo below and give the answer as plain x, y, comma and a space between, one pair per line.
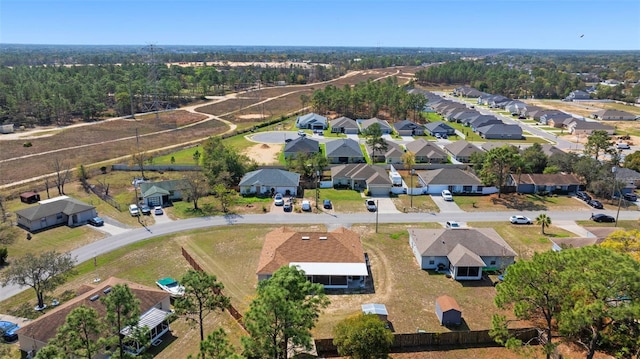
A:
422, 204
344, 200
181, 157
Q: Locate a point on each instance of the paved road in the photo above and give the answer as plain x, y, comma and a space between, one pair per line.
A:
114, 242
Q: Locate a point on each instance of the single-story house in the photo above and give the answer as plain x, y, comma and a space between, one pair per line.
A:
312, 121
550, 150
344, 150
461, 115
448, 311
434, 128
577, 95
393, 154
463, 252
516, 107
500, 131
629, 177
335, 259
269, 181
408, 128
557, 119
378, 309
453, 179
558, 244
162, 193
154, 304
54, 212
344, 125
384, 125
465, 91
583, 127
362, 176
462, 150
539, 182
427, 151
614, 115
301, 146
29, 197
482, 121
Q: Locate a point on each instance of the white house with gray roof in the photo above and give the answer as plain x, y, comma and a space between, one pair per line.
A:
462, 150
268, 181
344, 125
53, 212
463, 252
453, 179
500, 131
344, 150
384, 125
312, 121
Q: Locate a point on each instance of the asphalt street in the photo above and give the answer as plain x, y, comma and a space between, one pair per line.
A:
108, 244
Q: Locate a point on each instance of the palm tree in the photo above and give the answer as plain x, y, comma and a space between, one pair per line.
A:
543, 220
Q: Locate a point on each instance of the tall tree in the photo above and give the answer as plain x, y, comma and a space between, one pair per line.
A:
138, 158
223, 165
194, 187
79, 336
216, 346
632, 161
202, 295
544, 221
624, 242
225, 196
534, 159
373, 135
62, 174
532, 288
285, 310
498, 163
363, 336
123, 310
43, 273
598, 142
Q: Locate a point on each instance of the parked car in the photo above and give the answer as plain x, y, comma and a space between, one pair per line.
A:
302, 133
446, 195
96, 222
371, 205
595, 204
8, 331
438, 136
144, 209
622, 146
630, 197
278, 199
288, 140
452, 224
601, 217
519, 219
306, 206
158, 210
326, 204
287, 207
583, 196
134, 210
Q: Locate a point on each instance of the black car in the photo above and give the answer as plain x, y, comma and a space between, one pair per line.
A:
601, 217
145, 209
327, 204
583, 196
595, 204
96, 221
630, 197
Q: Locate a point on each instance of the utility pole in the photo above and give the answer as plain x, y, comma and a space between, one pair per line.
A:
377, 210
413, 172
317, 189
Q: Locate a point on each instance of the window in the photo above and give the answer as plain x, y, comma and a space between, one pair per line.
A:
432, 262
493, 263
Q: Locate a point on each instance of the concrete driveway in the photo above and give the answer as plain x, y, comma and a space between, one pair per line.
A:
446, 206
385, 205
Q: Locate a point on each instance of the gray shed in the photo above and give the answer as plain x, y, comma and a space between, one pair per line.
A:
379, 309
448, 311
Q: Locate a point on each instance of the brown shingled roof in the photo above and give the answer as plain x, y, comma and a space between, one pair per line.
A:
46, 326
447, 303
284, 245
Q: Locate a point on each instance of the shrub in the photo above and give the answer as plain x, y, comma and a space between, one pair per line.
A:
4, 253
27, 144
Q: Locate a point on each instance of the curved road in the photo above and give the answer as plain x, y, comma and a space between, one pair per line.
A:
111, 243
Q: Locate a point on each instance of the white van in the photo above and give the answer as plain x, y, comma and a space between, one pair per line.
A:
134, 210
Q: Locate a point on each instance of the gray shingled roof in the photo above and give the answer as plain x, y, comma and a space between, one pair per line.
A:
441, 242
462, 148
344, 122
271, 177
66, 205
424, 148
449, 176
344, 147
302, 144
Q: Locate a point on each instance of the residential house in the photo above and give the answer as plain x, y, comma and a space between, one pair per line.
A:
362, 176
555, 119
500, 131
517, 107
488, 146
583, 127
312, 121
427, 151
462, 150
393, 153
558, 244
465, 91
162, 193
154, 304
53, 212
334, 259
453, 179
344, 125
344, 150
629, 177
482, 121
408, 128
550, 150
577, 95
463, 252
384, 125
531, 110
269, 181
614, 115
462, 115
301, 146
434, 128
561, 183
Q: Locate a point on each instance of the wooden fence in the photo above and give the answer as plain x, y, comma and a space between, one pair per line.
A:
231, 309
408, 341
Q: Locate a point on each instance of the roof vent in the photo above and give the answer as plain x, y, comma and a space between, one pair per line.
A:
323, 238
107, 290
94, 297
305, 238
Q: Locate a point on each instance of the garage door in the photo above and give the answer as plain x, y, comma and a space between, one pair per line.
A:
378, 191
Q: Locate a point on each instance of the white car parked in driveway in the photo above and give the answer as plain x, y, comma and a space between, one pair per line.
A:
518, 219
446, 195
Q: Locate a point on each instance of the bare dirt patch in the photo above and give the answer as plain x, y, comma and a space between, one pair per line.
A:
263, 153
251, 116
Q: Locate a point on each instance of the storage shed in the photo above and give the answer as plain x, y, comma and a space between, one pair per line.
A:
29, 197
379, 309
448, 311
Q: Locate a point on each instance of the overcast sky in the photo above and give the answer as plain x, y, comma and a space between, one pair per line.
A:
537, 24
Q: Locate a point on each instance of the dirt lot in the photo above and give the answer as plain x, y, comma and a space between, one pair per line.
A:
264, 153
